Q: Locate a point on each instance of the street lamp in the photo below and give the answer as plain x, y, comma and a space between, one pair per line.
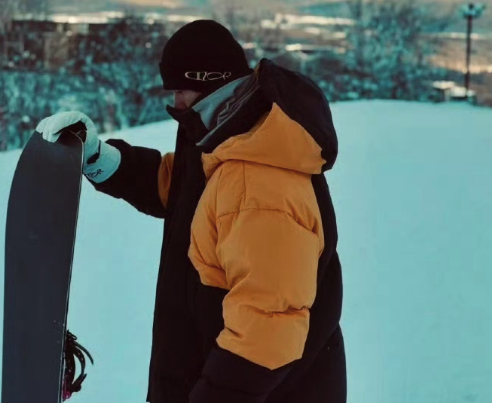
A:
470, 11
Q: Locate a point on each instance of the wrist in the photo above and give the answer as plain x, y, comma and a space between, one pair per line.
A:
103, 163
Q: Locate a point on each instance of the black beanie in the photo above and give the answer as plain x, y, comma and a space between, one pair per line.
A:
202, 56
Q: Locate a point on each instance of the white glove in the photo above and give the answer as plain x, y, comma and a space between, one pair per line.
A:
109, 157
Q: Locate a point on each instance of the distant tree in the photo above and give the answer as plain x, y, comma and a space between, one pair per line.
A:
7, 11
122, 60
38, 7
12, 97
28, 96
112, 75
245, 19
389, 47
357, 34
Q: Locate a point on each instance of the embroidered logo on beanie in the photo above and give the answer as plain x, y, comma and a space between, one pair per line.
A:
207, 75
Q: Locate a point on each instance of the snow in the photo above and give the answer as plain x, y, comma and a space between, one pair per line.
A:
411, 189
461, 92
294, 19
104, 17
464, 35
82, 18
289, 21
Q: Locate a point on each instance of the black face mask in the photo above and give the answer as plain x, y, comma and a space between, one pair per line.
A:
190, 121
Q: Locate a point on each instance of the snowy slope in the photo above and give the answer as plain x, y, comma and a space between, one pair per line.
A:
412, 191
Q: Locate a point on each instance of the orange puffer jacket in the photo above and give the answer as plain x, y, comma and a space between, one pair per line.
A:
261, 242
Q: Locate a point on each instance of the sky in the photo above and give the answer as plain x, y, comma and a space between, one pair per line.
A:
412, 194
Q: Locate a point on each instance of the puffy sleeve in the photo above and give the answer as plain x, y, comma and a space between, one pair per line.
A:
271, 264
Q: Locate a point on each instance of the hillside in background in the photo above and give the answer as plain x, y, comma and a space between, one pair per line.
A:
411, 190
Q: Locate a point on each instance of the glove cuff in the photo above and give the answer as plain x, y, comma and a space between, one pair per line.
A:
103, 164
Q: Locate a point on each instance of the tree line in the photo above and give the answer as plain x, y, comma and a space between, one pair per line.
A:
111, 73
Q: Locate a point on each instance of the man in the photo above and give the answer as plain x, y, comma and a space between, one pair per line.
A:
249, 291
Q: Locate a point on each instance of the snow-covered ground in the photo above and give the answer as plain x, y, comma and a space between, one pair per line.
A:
412, 189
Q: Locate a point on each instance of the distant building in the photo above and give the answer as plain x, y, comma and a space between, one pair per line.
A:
446, 91
32, 41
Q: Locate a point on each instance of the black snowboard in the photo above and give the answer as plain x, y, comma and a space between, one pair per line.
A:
39, 245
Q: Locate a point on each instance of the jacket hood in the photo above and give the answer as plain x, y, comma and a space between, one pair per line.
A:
303, 102
275, 117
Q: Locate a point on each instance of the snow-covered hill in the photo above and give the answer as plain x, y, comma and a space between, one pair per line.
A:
412, 189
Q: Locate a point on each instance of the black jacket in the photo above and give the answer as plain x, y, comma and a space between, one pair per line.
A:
188, 314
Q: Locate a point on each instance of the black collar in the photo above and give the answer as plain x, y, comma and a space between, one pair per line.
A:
190, 121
